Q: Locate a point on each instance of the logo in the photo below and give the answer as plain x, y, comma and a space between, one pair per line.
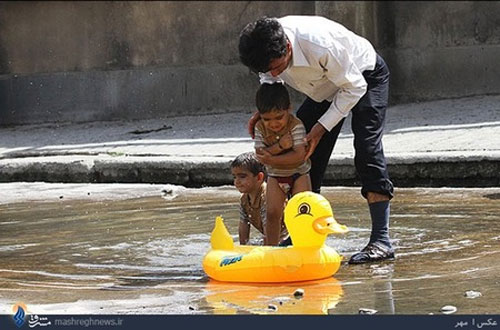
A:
19, 310
36, 320
230, 260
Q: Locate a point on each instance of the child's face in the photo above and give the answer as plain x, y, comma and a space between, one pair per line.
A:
275, 120
244, 180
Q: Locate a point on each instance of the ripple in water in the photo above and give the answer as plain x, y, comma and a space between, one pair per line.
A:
144, 255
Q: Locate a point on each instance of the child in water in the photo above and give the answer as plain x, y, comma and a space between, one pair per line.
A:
280, 145
249, 178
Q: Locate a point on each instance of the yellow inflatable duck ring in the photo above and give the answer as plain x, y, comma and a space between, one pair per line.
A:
309, 219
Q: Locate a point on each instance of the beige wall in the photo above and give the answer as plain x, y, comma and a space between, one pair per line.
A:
74, 36
84, 61
435, 49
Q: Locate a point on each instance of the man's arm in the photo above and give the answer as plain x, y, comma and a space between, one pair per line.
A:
251, 123
340, 69
313, 138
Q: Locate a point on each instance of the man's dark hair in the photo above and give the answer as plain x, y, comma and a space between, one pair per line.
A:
260, 42
271, 97
249, 162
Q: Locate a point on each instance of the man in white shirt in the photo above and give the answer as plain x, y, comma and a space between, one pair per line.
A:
340, 73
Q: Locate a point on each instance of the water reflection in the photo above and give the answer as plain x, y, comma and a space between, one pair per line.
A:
233, 298
143, 255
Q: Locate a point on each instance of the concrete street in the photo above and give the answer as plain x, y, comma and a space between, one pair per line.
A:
454, 142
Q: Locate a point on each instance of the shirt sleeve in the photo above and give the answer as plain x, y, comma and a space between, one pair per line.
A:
259, 139
244, 216
341, 70
263, 215
298, 134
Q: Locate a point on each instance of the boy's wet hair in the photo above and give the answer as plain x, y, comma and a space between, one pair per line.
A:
249, 162
261, 42
271, 97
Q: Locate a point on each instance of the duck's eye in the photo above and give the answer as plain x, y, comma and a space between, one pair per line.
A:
304, 208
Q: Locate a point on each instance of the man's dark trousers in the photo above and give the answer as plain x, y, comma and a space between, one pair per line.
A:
368, 122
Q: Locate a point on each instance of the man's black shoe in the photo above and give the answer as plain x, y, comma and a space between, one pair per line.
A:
372, 252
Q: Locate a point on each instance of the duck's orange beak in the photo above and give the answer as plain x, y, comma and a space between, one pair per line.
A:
328, 225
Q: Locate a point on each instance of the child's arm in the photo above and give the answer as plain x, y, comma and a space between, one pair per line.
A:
244, 233
291, 157
284, 143
244, 227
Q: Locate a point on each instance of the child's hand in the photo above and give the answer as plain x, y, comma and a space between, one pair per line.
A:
286, 141
263, 156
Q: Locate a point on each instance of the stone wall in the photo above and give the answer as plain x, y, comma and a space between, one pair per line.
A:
86, 61
434, 49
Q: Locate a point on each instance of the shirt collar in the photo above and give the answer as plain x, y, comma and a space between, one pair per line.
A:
298, 58
258, 197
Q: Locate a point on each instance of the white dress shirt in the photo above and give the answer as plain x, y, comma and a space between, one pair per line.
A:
327, 64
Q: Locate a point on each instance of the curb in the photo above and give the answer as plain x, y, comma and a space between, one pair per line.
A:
426, 170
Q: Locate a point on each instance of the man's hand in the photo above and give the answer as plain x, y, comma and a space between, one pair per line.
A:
263, 156
251, 123
313, 138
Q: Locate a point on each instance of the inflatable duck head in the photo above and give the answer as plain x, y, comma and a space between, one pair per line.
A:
309, 219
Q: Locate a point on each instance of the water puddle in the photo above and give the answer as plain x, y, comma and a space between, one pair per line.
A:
137, 249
